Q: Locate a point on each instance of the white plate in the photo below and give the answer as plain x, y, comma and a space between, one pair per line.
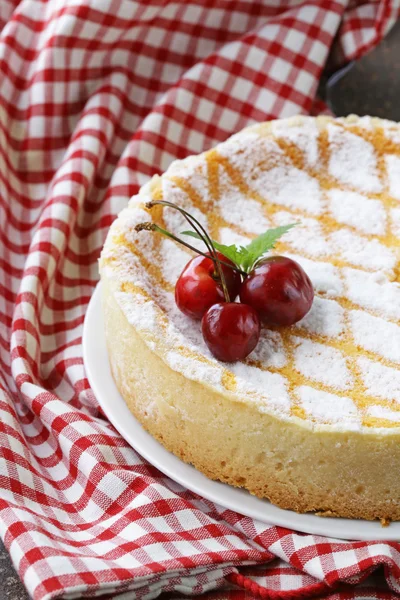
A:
113, 405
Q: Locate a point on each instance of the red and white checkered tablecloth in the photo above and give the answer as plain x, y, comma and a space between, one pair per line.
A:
96, 96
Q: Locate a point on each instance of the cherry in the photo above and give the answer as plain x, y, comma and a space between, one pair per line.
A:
231, 330
199, 287
279, 290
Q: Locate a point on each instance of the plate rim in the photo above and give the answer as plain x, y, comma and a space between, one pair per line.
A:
94, 348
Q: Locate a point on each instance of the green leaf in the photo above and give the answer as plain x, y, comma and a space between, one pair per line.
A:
246, 257
192, 234
263, 243
233, 252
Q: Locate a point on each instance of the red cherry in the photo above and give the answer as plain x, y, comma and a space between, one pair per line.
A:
279, 290
198, 286
231, 330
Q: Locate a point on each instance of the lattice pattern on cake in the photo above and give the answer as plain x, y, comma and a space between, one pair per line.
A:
341, 180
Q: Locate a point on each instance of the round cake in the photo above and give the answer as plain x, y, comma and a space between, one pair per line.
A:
311, 418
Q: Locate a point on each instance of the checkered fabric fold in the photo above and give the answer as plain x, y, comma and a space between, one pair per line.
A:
96, 96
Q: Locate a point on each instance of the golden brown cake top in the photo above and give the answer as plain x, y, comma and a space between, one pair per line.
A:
338, 368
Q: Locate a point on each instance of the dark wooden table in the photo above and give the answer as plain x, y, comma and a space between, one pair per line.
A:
372, 87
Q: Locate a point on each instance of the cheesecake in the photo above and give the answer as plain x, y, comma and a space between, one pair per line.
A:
310, 420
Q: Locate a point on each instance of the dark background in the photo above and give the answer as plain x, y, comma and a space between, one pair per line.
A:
369, 87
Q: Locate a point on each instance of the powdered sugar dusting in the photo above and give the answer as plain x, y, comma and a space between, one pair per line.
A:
351, 208
238, 209
326, 317
229, 237
288, 186
370, 254
304, 136
364, 122
175, 260
326, 278
395, 221
373, 291
250, 154
376, 334
271, 387
323, 406
393, 170
312, 360
391, 131
299, 238
194, 369
381, 412
193, 169
270, 350
352, 160
379, 380
140, 312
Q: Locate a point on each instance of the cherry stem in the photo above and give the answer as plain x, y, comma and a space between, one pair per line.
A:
193, 222
153, 227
